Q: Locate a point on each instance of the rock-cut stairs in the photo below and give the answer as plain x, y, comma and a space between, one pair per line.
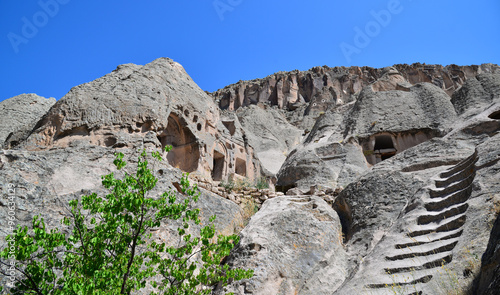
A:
413, 257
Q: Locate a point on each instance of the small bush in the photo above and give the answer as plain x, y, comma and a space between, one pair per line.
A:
261, 183
229, 185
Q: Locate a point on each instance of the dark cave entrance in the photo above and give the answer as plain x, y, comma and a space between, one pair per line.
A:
384, 147
230, 126
218, 166
495, 115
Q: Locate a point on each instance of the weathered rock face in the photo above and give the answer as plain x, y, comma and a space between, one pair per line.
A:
270, 134
440, 222
20, 114
295, 246
158, 102
477, 92
43, 182
398, 120
423, 106
345, 141
322, 86
488, 282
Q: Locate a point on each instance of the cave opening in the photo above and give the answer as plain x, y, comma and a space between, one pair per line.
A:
345, 215
185, 153
284, 188
384, 147
241, 167
218, 166
230, 126
495, 115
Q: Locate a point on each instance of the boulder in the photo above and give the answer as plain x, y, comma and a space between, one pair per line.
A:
423, 107
19, 115
477, 92
294, 245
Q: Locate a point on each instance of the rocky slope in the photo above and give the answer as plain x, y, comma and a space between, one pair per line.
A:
391, 175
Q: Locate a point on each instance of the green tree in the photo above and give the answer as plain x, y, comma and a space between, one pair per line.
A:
108, 247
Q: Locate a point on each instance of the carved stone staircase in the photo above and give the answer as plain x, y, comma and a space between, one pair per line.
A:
415, 255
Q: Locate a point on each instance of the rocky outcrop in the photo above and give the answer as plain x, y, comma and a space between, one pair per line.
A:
158, 102
44, 182
320, 87
421, 107
20, 114
477, 92
270, 134
346, 140
488, 281
295, 246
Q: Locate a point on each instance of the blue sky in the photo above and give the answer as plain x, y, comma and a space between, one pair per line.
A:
49, 46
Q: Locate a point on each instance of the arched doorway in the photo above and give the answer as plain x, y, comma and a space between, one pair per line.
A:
185, 153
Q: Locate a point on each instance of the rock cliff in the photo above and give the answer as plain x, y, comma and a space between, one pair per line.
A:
323, 86
381, 181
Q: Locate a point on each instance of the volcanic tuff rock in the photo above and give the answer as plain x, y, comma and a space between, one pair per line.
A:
335, 150
477, 92
320, 87
20, 114
295, 246
270, 134
488, 282
400, 166
159, 102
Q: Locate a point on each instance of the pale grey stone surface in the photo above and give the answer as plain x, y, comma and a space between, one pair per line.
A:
19, 115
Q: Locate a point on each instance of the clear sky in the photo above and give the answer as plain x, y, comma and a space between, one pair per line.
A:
49, 46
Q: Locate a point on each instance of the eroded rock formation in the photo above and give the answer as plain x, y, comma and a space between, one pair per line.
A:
321, 86
19, 114
157, 103
391, 175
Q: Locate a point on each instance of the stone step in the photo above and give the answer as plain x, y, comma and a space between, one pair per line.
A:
411, 281
427, 239
443, 182
420, 263
458, 197
443, 226
456, 186
449, 212
460, 166
425, 250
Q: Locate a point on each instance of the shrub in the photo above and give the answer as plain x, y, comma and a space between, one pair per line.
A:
229, 185
261, 183
109, 249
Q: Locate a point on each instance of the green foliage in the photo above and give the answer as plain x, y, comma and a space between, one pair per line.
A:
106, 246
229, 185
261, 183
243, 183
